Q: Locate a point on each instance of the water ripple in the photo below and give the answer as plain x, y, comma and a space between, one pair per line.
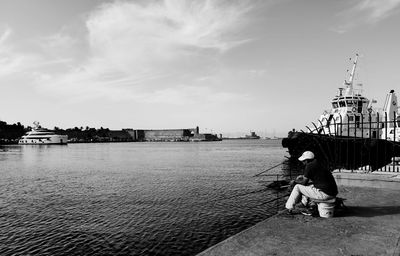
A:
132, 198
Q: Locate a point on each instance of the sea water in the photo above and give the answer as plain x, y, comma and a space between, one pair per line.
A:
132, 198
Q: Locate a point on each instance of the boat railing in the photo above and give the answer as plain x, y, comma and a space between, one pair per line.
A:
375, 127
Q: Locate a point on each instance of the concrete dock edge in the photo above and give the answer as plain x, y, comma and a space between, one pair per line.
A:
370, 226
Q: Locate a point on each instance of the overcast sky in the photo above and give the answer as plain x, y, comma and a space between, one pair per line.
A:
226, 66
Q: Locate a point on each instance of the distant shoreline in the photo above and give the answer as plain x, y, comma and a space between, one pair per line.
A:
244, 138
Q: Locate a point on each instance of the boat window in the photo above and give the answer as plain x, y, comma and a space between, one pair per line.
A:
351, 118
342, 103
349, 103
334, 104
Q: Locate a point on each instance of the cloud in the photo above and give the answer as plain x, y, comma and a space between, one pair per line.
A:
146, 50
377, 10
171, 35
187, 95
4, 36
366, 12
59, 40
19, 63
84, 84
59, 45
165, 25
7, 62
12, 62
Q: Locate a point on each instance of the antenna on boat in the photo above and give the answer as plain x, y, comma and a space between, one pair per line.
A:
36, 124
351, 78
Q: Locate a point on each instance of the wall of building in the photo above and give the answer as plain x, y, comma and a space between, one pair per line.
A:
168, 135
163, 134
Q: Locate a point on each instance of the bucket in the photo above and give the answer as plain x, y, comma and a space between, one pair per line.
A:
326, 210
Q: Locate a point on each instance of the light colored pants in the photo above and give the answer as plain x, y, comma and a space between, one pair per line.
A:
305, 193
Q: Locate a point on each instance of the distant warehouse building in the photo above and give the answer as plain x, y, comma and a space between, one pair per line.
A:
119, 136
163, 134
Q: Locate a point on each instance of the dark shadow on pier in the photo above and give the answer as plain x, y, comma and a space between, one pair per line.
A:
368, 212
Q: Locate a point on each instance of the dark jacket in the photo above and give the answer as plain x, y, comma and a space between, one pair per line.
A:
321, 177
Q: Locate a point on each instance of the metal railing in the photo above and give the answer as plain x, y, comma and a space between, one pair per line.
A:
373, 129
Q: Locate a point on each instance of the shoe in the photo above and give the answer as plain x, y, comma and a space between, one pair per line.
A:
300, 206
306, 212
312, 205
289, 212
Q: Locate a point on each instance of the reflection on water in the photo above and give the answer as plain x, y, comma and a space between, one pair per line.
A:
131, 198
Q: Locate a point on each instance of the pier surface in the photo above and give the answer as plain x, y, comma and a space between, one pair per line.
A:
370, 225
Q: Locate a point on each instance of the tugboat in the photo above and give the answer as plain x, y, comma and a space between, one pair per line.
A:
352, 133
353, 115
40, 136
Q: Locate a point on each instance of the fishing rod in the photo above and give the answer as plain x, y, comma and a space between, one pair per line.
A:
258, 174
235, 196
275, 199
239, 195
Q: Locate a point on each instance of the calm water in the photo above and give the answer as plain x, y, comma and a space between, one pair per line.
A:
131, 198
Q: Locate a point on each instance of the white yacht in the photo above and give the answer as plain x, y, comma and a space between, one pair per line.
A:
40, 135
353, 115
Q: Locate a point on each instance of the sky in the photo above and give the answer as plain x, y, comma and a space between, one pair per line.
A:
227, 66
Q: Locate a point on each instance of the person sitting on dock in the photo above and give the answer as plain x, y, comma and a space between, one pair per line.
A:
323, 185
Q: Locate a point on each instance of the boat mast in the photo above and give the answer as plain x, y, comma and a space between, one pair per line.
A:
349, 83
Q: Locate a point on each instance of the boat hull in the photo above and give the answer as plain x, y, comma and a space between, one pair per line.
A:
343, 152
48, 140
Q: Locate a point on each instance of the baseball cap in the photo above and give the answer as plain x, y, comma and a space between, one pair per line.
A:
306, 155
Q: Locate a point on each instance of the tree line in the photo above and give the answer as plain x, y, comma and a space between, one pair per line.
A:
11, 133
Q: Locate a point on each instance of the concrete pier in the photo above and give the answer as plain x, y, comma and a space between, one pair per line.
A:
370, 225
